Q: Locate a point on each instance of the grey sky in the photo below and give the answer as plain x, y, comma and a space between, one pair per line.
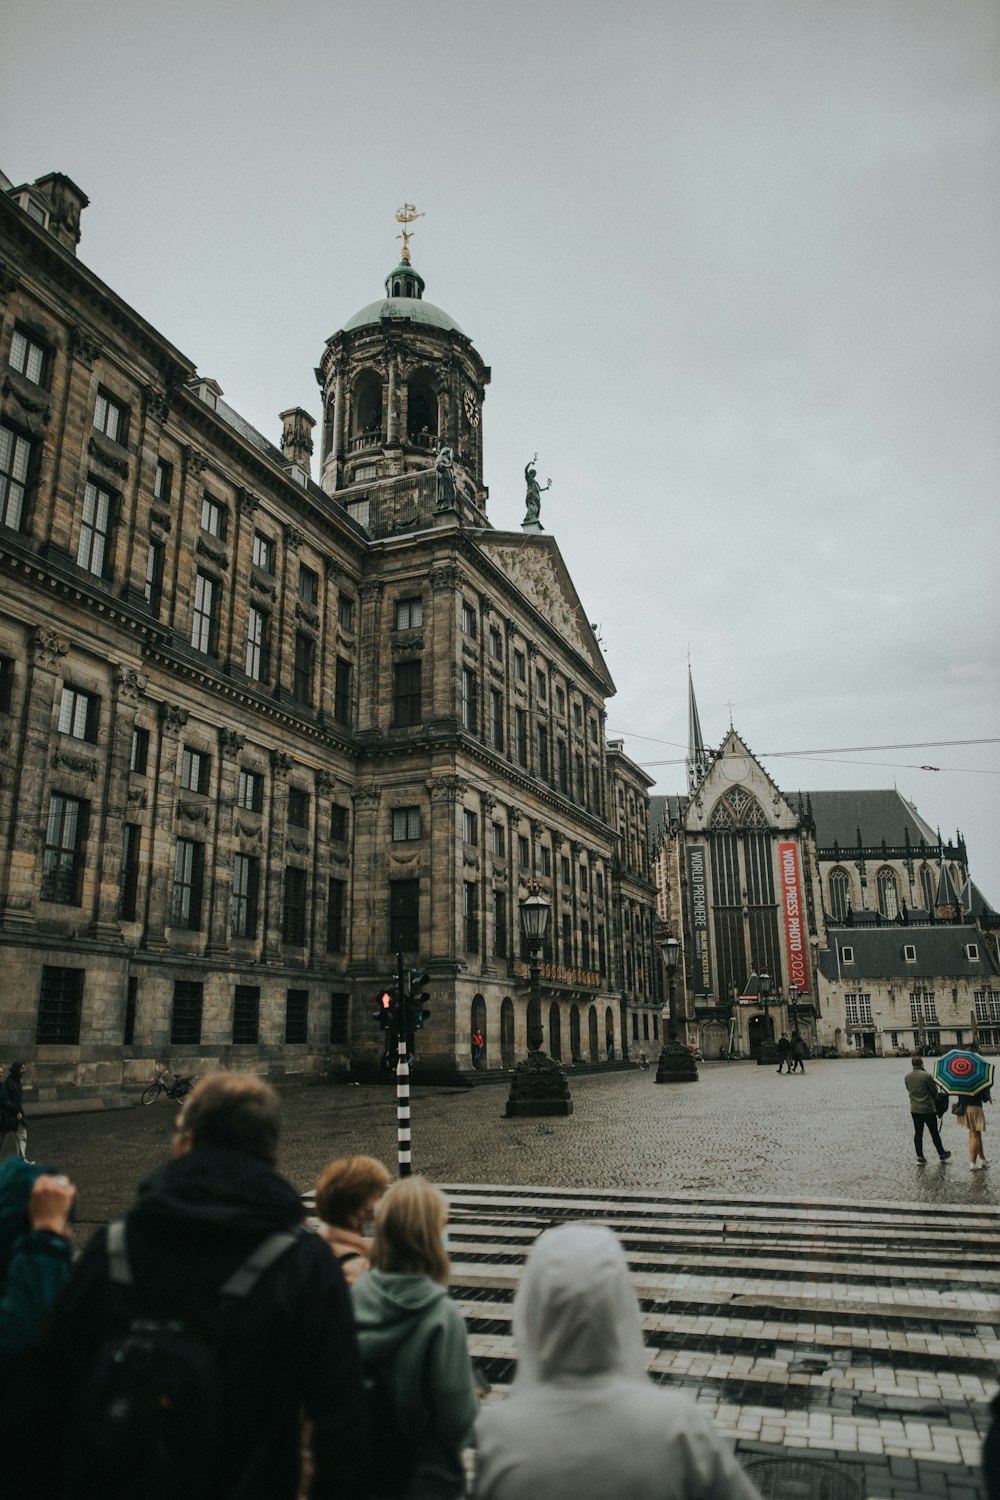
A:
734, 264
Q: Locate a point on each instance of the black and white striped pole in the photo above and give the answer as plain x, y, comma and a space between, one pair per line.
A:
404, 1151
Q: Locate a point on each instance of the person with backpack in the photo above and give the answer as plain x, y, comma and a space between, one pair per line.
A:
196, 1333
415, 1350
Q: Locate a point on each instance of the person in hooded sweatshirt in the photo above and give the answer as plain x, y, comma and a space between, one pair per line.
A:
286, 1350
413, 1342
583, 1420
36, 1234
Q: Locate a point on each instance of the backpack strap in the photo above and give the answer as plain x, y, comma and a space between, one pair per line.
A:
119, 1265
245, 1277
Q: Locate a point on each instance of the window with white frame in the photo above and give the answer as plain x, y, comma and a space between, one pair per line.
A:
859, 1010
470, 826
923, 1008
468, 620
263, 552
405, 824
409, 613
258, 662
162, 481
206, 605
987, 1006
16, 453
250, 790
195, 768
78, 714
110, 417
213, 517
972, 952
499, 841
95, 528
846, 954
28, 357
909, 953
496, 643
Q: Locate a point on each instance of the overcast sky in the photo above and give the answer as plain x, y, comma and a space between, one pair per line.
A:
734, 264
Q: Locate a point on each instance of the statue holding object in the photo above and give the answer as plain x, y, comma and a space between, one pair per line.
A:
533, 499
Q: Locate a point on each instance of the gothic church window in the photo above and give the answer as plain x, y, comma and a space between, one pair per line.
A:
840, 894
738, 809
888, 893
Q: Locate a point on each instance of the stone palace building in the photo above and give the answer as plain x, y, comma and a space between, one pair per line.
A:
263, 731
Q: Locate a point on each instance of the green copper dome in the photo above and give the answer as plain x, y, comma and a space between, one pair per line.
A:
404, 298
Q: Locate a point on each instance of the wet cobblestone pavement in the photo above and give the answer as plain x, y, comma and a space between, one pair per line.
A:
827, 1301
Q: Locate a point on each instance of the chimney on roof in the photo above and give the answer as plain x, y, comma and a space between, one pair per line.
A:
296, 438
66, 204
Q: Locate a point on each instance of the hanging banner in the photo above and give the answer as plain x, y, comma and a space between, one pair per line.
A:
791, 900
701, 966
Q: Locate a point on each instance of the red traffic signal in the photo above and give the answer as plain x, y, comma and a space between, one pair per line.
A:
385, 1008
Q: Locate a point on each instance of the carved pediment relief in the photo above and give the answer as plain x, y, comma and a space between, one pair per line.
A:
534, 573
193, 812
32, 400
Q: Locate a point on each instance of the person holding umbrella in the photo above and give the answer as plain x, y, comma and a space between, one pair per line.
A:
970, 1076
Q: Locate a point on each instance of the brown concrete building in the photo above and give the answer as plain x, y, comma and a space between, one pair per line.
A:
260, 733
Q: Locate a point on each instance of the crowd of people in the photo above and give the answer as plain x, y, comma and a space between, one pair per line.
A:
211, 1341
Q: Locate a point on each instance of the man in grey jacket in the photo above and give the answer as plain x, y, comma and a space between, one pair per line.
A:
924, 1093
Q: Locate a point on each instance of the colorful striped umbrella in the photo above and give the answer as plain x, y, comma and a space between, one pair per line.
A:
963, 1072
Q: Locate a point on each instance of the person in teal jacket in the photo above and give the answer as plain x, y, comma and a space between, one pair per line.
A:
414, 1349
35, 1248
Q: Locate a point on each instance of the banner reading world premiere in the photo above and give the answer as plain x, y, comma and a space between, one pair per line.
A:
791, 900
701, 967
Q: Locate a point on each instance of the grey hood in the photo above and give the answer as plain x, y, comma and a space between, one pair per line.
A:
575, 1312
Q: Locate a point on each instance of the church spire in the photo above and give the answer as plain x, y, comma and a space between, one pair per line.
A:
697, 756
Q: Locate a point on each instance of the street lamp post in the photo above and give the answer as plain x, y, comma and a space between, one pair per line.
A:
793, 1007
768, 1049
676, 1064
539, 1085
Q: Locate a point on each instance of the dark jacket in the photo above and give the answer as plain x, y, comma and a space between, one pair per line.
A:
289, 1348
14, 1094
34, 1263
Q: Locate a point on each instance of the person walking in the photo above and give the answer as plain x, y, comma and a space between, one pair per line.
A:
583, 1420
798, 1053
784, 1047
924, 1096
283, 1350
969, 1112
414, 1348
478, 1043
348, 1195
12, 1108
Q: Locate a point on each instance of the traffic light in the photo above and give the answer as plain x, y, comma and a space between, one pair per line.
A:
417, 1008
385, 1009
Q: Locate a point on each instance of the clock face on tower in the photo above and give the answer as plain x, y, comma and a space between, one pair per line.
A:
471, 408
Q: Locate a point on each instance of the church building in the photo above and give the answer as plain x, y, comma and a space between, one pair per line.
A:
265, 731
840, 914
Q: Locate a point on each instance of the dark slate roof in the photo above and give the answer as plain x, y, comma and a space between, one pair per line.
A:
880, 814
878, 954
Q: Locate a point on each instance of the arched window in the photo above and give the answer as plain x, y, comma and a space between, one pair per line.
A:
507, 1033
367, 418
574, 1032
888, 893
927, 888
478, 1018
592, 1028
737, 809
555, 1032
421, 410
609, 1032
840, 893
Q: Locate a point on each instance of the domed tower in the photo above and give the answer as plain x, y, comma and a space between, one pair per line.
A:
403, 391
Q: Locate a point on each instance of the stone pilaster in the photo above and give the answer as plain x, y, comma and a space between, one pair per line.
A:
162, 855
374, 706
274, 876
445, 910
46, 652
219, 883
129, 688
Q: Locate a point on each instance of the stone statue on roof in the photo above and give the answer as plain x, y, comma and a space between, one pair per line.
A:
445, 469
533, 499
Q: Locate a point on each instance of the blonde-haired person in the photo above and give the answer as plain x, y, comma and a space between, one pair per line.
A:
348, 1194
414, 1348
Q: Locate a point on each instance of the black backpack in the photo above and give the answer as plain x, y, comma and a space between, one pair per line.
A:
148, 1424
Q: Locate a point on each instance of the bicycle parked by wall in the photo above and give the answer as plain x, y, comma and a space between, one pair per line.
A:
175, 1090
